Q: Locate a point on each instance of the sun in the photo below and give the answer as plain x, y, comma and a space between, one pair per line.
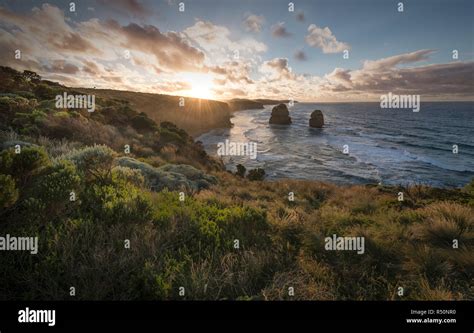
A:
201, 85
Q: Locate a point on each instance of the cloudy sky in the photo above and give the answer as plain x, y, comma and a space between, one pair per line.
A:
248, 48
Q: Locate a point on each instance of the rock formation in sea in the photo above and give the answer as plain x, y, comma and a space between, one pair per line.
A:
317, 119
280, 115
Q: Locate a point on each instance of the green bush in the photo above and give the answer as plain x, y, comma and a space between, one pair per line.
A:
256, 174
241, 170
50, 193
30, 161
9, 192
26, 94
141, 122
469, 189
170, 133
56, 183
116, 202
170, 176
43, 91
31, 76
124, 174
95, 162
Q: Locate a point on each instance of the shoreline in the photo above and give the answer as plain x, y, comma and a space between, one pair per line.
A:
323, 153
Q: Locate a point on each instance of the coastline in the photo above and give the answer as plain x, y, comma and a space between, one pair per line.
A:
380, 153
73, 179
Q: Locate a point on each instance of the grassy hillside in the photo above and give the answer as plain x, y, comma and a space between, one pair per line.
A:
27, 107
238, 104
143, 224
196, 116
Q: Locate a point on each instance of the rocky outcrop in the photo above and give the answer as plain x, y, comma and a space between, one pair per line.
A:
317, 119
280, 115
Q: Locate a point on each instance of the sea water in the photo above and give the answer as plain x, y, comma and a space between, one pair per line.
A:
388, 146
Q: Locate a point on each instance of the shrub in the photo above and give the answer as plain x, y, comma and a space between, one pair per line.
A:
150, 283
256, 174
56, 183
247, 224
30, 161
241, 170
26, 94
200, 179
94, 162
155, 178
443, 222
469, 189
13, 143
167, 136
170, 176
141, 122
56, 148
9, 192
134, 176
43, 91
31, 76
169, 132
116, 202
16, 104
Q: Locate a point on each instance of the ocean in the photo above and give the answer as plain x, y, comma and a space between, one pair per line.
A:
387, 146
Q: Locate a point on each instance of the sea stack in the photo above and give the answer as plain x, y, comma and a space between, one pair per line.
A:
317, 119
280, 115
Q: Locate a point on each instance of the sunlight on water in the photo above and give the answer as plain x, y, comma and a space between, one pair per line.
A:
388, 146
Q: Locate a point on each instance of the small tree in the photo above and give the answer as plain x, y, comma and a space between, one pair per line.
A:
30, 161
31, 76
241, 170
256, 174
95, 162
9, 192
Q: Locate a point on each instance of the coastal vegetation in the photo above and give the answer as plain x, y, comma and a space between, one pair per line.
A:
128, 208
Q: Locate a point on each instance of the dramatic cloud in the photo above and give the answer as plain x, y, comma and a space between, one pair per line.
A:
133, 8
170, 49
46, 26
216, 41
279, 30
45, 34
397, 60
121, 54
254, 23
340, 75
91, 68
382, 76
325, 40
277, 69
233, 72
61, 66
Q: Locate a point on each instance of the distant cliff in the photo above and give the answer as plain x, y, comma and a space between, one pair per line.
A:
239, 104
196, 116
272, 101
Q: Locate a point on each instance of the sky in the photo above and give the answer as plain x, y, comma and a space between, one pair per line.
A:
328, 51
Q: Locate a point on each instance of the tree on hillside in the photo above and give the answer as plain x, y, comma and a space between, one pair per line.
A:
31, 76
